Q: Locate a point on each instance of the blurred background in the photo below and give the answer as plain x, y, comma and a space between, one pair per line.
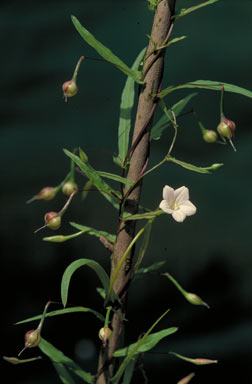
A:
209, 254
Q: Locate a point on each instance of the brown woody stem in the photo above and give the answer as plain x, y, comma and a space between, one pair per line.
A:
139, 152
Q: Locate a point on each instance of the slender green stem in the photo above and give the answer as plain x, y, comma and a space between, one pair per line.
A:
125, 255
175, 126
106, 323
221, 102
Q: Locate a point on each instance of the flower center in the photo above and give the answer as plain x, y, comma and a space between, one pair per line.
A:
174, 206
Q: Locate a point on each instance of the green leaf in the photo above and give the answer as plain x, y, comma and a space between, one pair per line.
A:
127, 102
163, 123
63, 312
106, 53
64, 364
207, 84
94, 232
112, 176
194, 168
141, 216
149, 342
185, 11
109, 193
197, 361
63, 374
129, 372
76, 265
116, 378
143, 247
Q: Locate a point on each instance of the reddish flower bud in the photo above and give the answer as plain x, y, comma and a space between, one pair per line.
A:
69, 187
226, 128
46, 193
52, 220
32, 338
69, 88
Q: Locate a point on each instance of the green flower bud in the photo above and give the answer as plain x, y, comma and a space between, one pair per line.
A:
210, 136
52, 220
226, 128
69, 187
195, 299
32, 338
104, 334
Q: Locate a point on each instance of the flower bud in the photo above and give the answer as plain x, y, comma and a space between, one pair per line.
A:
32, 338
69, 88
226, 128
104, 335
52, 220
69, 187
46, 193
209, 136
195, 299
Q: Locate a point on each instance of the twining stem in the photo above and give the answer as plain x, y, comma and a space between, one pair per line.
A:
138, 155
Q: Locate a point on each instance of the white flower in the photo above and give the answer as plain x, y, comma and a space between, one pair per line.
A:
176, 202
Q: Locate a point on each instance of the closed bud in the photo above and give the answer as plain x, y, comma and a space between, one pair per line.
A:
69, 187
69, 88
32, 338
195, 299
46, 193
52, 220
104, 335
209, 136
226, 128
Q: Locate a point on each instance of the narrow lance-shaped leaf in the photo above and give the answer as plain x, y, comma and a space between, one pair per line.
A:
127, 102
143, 247
163, 122
108, 192
185, 11
106, 53
116, 378
76, 265
207, 84
63, 312
84, 229
150, 342
127, 377
94, 232
66, 364
114, 177
141, 216
192, 167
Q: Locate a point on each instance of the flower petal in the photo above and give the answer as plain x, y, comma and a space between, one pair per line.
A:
168, 193
181, 194
188, 208
164, 205
179, 215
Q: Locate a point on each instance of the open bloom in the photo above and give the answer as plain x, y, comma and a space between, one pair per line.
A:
176, 203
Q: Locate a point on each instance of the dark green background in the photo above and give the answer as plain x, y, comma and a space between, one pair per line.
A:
210, 253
